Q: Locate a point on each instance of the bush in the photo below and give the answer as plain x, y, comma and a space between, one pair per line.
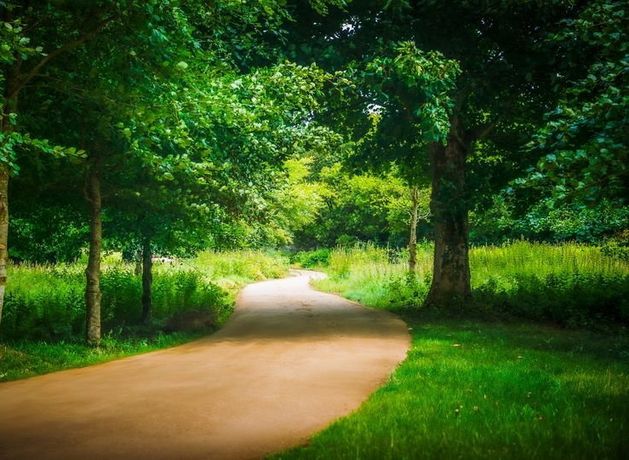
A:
48, 302
617, 247
312, 259
43, 302
571, 299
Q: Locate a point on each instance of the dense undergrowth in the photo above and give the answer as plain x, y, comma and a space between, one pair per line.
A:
569, 284
43, 324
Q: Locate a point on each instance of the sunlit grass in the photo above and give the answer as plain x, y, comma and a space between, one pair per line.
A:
478, 390
234, 268
541, 259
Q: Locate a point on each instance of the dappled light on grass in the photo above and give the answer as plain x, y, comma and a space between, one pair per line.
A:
239, 266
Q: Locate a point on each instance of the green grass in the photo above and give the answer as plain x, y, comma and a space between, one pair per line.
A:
569, 284
497, 386
28, 358
487, 390
47, 302
43, 321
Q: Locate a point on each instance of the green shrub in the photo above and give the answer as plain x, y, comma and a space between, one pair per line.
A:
617, 247
43, 302
47, 302
572, 299
312, 259
406, 290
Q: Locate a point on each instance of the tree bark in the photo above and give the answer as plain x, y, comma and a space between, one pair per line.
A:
448, 204
412, 241
147, 281
92, 272
4, 230
9, 106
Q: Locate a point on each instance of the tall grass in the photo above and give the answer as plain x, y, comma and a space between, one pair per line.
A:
541, 259
240, 266
42, 328
46, 302
571, 283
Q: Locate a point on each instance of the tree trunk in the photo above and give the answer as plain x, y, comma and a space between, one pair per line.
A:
448, 204
14, 81
9, 106
4, 230
147, 281
137, 271
92, 272
412, 241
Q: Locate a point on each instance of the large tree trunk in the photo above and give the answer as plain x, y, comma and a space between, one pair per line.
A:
412, 241
92, 272
448, 204
147, 281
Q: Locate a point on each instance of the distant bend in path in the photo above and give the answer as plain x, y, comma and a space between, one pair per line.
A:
290, 361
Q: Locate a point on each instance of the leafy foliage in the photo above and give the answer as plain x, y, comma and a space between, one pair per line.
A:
585, 135
358, 207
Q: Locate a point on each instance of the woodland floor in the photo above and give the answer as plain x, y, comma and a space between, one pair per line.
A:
288, 362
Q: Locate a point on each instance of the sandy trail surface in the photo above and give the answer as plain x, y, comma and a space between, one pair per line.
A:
289, 361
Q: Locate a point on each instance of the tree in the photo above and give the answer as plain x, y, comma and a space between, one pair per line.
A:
143, 49
220, 158
418, 204
507, 70
356, 207
412, 96
583, 141
16, 53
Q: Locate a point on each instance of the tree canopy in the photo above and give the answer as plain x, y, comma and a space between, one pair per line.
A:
166, 127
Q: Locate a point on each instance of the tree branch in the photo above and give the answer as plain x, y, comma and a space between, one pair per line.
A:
23, 80
484, 131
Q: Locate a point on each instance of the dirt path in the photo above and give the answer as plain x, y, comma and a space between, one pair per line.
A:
290, 361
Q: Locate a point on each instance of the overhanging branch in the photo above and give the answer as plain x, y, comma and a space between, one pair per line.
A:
23, 80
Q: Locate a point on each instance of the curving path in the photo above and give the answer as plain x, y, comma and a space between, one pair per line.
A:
288, 362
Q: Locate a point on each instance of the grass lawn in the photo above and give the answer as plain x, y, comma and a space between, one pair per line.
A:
489, 390
26, 359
